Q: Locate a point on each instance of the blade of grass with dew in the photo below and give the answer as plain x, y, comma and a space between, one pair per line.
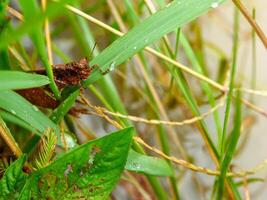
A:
231, 147
8, 117
18, 106
177, 14
37, 36
14, 80
110, 92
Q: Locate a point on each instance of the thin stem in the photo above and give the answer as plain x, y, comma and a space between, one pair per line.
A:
252, 21
9, 139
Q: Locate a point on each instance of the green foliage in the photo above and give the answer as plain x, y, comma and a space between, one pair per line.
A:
14, 80
148, 165
154, 27
13, 180
18, 106
89, 171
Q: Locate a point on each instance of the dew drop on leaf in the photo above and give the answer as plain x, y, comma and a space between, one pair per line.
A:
13, 112
214, 5
35, 108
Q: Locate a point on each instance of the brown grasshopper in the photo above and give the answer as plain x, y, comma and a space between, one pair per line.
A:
69, 74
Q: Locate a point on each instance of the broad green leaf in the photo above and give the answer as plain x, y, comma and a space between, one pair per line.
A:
89, 171
13, 80
148, 165
175, 15
13, 180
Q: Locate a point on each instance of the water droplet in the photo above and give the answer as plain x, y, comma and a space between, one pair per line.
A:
214, 5
13, 112
146, 40
35, 108
135, 47
112, 66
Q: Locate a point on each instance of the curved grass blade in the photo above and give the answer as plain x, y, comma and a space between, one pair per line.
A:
175, 15
8, 117
14, 80
21, 108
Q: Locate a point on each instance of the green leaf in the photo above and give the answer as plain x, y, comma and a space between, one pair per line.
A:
175, 15
89, 171
147, 165
13, 179
13, 80
9, 117
21, 108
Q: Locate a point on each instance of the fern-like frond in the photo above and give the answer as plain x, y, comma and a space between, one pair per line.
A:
46, 151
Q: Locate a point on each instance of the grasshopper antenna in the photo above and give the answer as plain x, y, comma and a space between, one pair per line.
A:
91, 54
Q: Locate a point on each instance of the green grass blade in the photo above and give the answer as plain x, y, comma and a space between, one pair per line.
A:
233, 140
177, 14
64, 107
29, 7
232, 82
197, 66
8, 117
18, 106
14, 80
